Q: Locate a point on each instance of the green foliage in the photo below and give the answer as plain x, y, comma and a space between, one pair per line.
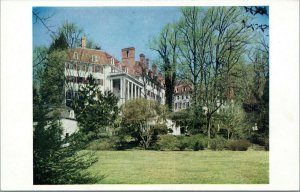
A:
143, 119
238, 145
232, 119
174, 143
218, 143
108, 143
60, 43
52, 80
72, 34
95, 110
101, 144
53, 164
197, 142
168, 143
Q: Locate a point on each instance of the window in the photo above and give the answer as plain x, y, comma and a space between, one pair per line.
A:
94, 58
178, 97
182, 97
83, 67
98, 69
175, 105
99, 81
187, 104
186, 96
90, 68
112, 61
75, 56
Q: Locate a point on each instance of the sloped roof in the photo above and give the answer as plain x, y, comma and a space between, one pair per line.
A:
85, 55
183, 88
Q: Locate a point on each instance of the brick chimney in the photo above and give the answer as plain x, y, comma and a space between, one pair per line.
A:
154, 69
83, 42
128, 56
142, 58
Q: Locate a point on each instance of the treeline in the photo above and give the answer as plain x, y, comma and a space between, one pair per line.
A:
220, 53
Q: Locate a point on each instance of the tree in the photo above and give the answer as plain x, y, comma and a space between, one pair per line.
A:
52, 163
142, 119
222, 55
258, 99
167, 47
72, 34
232, 119
94, 110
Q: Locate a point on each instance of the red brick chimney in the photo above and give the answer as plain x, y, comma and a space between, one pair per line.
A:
142, 58
83, 42
128, 59
154, 69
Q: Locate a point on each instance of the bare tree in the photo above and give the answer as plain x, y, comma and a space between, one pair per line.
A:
72, 34
225, 51
167, 47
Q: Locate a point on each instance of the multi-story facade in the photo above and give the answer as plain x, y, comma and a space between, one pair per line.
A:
127, 79
182, 96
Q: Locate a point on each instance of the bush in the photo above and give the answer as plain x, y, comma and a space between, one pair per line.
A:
168, 143
101, 144
218, 143
238, 145
182, 143
196, 142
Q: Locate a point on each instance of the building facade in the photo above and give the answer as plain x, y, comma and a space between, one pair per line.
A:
127, 79
182, 96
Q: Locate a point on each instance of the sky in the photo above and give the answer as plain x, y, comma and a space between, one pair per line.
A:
113, 28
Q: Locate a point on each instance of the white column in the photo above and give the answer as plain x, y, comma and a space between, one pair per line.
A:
135, 91
121, 89
128, 93
131, 91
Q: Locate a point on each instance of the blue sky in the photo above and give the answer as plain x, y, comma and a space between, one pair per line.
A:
113, 28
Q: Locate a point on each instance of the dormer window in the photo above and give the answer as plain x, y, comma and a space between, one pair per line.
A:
112, 61
94, 58
75, 56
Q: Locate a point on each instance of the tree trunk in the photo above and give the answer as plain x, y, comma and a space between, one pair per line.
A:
208, 130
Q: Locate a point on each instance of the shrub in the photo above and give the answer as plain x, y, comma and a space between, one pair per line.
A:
196, 142
101, 144
218, 143
182, 143
168, 142
238, 145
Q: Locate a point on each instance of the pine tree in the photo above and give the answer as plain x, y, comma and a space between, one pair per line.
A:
95, 110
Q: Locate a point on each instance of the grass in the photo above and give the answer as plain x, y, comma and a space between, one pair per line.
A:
182, 167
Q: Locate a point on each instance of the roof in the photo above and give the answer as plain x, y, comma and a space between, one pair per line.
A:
183, 88
86, 55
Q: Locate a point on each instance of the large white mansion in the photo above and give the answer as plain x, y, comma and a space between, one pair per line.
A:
127, 79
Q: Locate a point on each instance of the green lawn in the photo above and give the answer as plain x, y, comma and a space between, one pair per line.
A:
182, 167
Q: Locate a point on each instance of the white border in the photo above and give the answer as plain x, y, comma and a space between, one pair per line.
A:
16, 104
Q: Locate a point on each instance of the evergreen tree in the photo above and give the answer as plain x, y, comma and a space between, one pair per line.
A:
52, 163
95, 110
